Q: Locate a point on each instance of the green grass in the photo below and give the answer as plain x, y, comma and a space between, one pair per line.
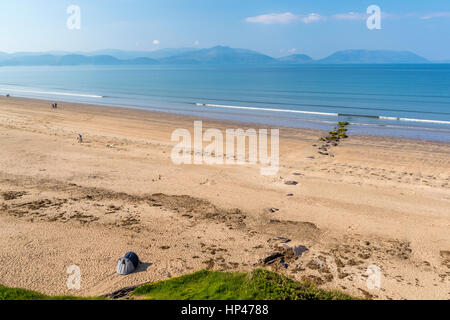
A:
19, 294
209, 285
22, 294
213, 285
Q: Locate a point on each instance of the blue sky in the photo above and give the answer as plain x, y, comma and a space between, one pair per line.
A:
276, 27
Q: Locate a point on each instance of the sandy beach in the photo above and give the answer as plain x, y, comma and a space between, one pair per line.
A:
374, 201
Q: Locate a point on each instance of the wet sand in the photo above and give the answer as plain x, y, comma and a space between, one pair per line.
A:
371, 201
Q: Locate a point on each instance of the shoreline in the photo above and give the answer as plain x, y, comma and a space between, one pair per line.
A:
213, 120
378, 201
285, 97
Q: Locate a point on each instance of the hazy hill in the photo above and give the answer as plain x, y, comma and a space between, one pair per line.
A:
3, 56
296, 59
219, 55
128, 55
75, 60
30, 60
373, 56
214, 56
71, 60
140, 61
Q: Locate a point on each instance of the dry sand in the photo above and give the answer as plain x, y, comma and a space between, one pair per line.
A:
379, 201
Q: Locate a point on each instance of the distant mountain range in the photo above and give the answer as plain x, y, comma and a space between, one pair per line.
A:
70, 60
296, 59
126, 55
378, 56
219, 55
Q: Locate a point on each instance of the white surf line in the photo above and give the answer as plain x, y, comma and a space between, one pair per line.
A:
322, 113
424, 120
53, 93
267, 109
415, 120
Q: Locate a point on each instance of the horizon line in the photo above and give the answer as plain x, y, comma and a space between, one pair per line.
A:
69, 52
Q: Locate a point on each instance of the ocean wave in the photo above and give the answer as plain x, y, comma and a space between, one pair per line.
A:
267, 109
57, 93
323, 113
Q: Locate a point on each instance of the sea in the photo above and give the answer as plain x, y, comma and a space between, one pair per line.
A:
408, 100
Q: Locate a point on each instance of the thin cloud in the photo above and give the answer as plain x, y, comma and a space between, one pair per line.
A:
359, 16
312, 17
156, 42
433, 15
285, 18
288, 17
274, 18
350, 16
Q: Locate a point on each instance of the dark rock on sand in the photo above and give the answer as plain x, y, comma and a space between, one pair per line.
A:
299, 250
271, 259
122, 293
284, 264
282, 239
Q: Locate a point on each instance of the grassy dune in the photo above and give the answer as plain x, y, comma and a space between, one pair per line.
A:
214, 285
209, 285
22, 294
